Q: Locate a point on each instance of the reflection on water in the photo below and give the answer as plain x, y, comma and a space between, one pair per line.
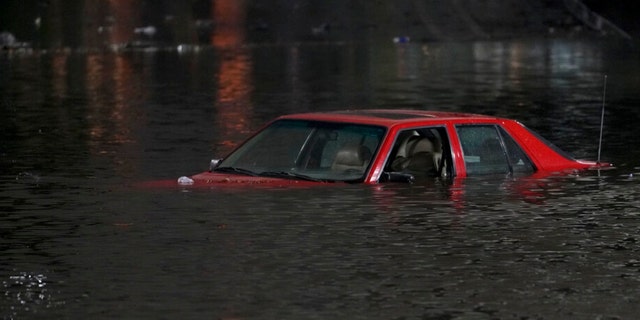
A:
233, 85
27, 294
78, 128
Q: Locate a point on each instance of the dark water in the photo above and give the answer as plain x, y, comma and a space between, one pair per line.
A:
79, 128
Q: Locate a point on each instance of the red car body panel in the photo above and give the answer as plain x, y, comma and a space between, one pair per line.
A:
213, 179
233, 179
544, 158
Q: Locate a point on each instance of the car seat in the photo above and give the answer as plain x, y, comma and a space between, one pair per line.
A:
420, 157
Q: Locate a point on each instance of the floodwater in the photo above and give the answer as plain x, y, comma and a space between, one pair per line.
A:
79, 128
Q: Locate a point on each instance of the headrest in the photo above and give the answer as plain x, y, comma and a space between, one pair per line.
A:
403, 149
352, 155
419, 144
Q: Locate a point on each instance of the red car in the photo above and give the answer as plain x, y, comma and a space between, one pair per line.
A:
372, 146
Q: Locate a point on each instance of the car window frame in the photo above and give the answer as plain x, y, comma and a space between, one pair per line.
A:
446, 152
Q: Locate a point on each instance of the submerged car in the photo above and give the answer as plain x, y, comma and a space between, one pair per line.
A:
373, 146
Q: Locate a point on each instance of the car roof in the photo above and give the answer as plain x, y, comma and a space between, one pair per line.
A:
388, 117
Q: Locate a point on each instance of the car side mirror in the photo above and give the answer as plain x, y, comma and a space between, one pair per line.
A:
397, 177
214, 164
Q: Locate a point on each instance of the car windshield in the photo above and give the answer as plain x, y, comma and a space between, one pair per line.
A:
310, 150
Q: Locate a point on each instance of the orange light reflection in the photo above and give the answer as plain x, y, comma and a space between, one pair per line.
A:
114, 91
125, 20
230, 18
234, 85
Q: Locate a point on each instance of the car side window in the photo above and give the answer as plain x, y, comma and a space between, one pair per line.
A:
518, 159
488, 149
421, 152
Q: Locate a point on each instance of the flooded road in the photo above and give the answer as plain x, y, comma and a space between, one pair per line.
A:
79, 129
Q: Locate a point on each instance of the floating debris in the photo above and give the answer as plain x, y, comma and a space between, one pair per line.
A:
148, 31
402, 39
28, 178
185, 181
321, 30
9, 42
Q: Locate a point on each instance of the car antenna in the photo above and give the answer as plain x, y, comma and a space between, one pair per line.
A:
604, 93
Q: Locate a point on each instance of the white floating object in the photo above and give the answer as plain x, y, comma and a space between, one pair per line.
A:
185, 181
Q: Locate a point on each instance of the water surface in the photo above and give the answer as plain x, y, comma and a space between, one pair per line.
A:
79, 128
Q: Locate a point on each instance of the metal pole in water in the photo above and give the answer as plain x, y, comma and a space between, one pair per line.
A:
604, 93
